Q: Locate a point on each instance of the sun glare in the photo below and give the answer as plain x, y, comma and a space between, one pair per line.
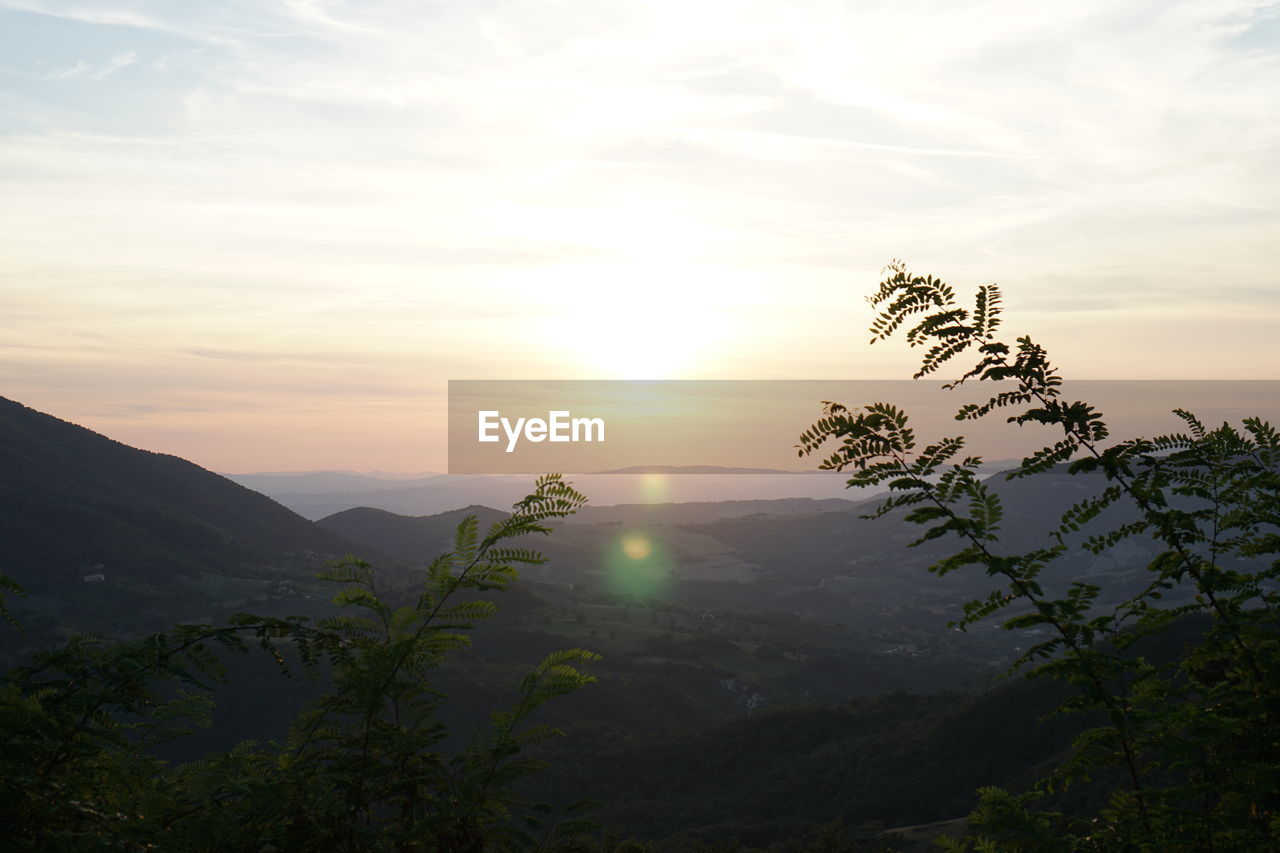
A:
636, 547
654, 488
641, 321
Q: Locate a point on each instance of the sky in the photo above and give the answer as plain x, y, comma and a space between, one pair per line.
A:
264, 235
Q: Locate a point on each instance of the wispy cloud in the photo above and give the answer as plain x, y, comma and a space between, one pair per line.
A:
81, 13
77, 70
120, 60
83, 69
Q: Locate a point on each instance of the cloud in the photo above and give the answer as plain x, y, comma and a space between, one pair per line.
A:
76, 70
105, 17
122, 60
84, 69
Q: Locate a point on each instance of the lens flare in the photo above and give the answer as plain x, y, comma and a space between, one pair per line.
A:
636, 564
636, 547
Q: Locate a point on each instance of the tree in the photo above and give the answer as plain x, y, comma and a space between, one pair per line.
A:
362, 768
1188, 754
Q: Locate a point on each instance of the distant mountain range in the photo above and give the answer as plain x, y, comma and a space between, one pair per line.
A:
105, 532
75, 503
319, 494
316, 494
111, 539
818, 558
324, 482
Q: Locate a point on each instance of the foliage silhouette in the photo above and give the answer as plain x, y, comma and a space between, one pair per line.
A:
1196, 739
362, 767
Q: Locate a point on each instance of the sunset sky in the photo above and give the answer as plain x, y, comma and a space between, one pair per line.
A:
263, 235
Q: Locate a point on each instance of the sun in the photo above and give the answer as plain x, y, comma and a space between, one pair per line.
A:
641, 320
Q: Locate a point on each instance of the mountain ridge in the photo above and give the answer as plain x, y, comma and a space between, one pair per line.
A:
88, 519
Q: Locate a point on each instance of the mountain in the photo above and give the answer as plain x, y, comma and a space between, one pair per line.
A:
817, 558
90, 524
300, 483
316, 494
822, 562
412, 539
693, 512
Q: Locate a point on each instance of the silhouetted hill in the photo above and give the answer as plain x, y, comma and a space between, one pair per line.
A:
75, 504
416, 539
846, 544
819, 558
320, 482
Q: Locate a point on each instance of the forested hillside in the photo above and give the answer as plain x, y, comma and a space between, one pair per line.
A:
107, 537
